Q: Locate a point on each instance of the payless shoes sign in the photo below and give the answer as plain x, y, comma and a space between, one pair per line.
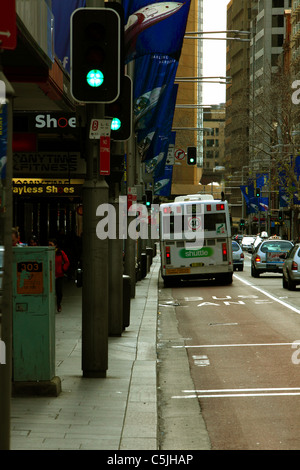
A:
29, 188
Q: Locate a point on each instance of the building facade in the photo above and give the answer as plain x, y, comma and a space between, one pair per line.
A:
188, 116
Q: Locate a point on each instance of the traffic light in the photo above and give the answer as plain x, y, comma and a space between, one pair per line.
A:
242, 223
95, 55
191, 155
149, 196
257, 192
280, 215
121, 112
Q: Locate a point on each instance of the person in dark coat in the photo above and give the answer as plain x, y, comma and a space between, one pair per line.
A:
61, 266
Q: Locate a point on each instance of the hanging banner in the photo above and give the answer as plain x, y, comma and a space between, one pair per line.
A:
162, 186
62, 12
154, 79
154, 27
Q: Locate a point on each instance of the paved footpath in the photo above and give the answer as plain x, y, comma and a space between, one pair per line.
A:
118, 412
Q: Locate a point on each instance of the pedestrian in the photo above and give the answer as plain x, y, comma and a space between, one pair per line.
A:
33, 241
61, 266
15, 238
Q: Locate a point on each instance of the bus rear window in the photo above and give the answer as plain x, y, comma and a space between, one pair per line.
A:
211, 221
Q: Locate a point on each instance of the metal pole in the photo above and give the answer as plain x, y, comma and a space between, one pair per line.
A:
130, 245
95, 257
6, 322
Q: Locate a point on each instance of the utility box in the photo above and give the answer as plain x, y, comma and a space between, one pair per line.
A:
34, 321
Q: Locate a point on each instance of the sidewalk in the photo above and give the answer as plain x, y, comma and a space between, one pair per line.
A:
118, 412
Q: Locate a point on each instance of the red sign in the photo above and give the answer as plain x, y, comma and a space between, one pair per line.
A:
8, 24
104, 155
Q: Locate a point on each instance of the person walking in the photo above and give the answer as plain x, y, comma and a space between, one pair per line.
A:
61, 266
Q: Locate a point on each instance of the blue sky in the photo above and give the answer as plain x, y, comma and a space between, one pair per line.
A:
214, 53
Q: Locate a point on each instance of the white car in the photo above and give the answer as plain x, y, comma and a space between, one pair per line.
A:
237, 256
247, 242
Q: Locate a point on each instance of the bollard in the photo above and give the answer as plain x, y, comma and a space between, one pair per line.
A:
149, 253
126, 300
143, 265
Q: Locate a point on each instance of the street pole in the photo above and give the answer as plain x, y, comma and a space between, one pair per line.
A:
6, 321
95, 256
130, 244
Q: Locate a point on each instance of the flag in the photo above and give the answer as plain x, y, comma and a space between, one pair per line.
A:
162, 185
62, 12
154, 27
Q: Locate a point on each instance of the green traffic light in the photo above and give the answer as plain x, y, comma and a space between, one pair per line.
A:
115, 124
95, 78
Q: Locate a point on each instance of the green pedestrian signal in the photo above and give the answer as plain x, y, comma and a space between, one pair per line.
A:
120, 111
95, 78
115, 124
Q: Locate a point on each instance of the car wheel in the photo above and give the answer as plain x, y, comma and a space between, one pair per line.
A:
254, 272
291, 285
284, 282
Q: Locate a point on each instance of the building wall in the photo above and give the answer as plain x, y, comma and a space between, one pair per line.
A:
236, 153
189, 93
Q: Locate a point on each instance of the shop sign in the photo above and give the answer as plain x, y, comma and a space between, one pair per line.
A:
48, 163
48, 188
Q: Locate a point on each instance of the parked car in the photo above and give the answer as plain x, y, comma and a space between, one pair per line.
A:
247, 242
268, 256
291, 268
237, 256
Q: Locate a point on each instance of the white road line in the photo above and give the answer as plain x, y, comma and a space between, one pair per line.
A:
234, 395
232, 345
268, 295
242, 390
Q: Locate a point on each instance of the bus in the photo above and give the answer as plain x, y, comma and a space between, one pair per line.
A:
195, 239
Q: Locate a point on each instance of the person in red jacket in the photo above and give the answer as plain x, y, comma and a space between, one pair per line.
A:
61, 266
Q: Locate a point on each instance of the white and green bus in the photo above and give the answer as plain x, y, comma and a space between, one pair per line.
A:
195, 239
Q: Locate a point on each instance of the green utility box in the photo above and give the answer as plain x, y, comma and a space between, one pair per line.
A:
34, 321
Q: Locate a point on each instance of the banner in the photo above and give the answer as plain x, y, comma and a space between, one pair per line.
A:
162, 186
62, 12
154, 27
261, 180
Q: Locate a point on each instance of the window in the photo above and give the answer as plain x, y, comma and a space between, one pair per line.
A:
278, 4
277, 40
277, 21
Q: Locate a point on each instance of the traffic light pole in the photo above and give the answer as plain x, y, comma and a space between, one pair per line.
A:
95, 257
6, 321
130, 245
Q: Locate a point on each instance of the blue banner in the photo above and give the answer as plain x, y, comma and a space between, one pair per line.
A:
261, 180
62, 12
154, 27
162, 186
154, 104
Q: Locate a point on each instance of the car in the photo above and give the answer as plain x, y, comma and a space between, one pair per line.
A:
247, 242
238, 238
268, 256
291, 268
237, 256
